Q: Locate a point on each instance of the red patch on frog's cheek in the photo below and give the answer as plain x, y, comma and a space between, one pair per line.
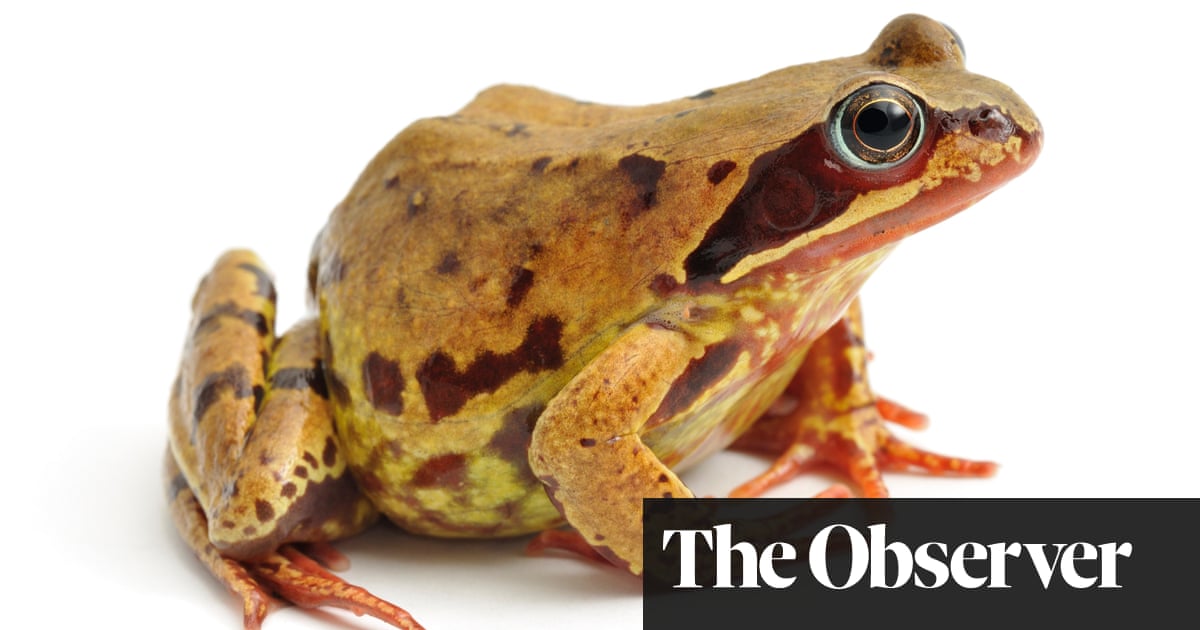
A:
793, 189
929, 207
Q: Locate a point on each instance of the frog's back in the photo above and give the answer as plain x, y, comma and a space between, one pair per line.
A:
540, 224
479, 262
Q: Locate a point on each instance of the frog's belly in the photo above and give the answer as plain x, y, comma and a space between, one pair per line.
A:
462, 477
470, 477
480, 496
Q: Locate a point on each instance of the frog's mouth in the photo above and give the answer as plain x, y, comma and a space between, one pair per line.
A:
930, 205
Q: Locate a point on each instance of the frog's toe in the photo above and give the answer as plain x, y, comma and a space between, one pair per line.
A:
292, 575
299, 579
857, 443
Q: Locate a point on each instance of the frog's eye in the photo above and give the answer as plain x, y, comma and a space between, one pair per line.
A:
877, 127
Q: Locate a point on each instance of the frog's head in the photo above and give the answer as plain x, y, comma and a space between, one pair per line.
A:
906, 138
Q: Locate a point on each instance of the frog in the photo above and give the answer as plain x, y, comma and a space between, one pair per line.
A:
531, 314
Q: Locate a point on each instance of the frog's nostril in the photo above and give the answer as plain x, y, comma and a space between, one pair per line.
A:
989, 123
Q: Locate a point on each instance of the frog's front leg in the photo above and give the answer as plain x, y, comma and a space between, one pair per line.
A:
254, 463
586, 446
830, 416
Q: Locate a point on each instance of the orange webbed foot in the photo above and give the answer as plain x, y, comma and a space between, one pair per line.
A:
857, 443
301, 580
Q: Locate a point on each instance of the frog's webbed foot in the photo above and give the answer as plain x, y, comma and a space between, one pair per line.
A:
829, 416
301, 580
857, 443
295, 576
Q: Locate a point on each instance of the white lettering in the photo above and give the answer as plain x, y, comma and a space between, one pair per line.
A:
879, 551
749, 559
1078, 551
766, 565
998, 553
931, 564
958, 564
687, 553
817, 562
1045, 570
1108, 562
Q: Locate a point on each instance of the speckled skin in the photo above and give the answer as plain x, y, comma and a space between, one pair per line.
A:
538, 309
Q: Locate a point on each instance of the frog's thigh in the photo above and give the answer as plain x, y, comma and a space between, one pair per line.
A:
587, 447
291, 483
255, 445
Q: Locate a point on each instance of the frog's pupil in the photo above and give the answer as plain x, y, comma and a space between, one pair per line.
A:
882, 125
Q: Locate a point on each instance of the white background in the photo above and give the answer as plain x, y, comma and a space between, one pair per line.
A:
1051, 328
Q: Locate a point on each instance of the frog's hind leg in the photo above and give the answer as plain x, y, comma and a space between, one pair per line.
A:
286, 571
254, 464
835, 419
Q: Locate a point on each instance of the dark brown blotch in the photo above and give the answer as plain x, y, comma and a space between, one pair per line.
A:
643, 172
384, 384
696, 378
329, 454
312, 378
446, 471
519, 287
300, 471
391, 182
446, 388
703, 95
338, 390
211, 319
234, 378
263, 511
311, 460
587, 442
449, 263
540, 164
720, 170
288, 490
264, 287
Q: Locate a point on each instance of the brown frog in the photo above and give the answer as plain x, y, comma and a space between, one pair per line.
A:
536, 311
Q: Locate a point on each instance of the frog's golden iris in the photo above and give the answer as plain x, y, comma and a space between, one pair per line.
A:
878, 126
